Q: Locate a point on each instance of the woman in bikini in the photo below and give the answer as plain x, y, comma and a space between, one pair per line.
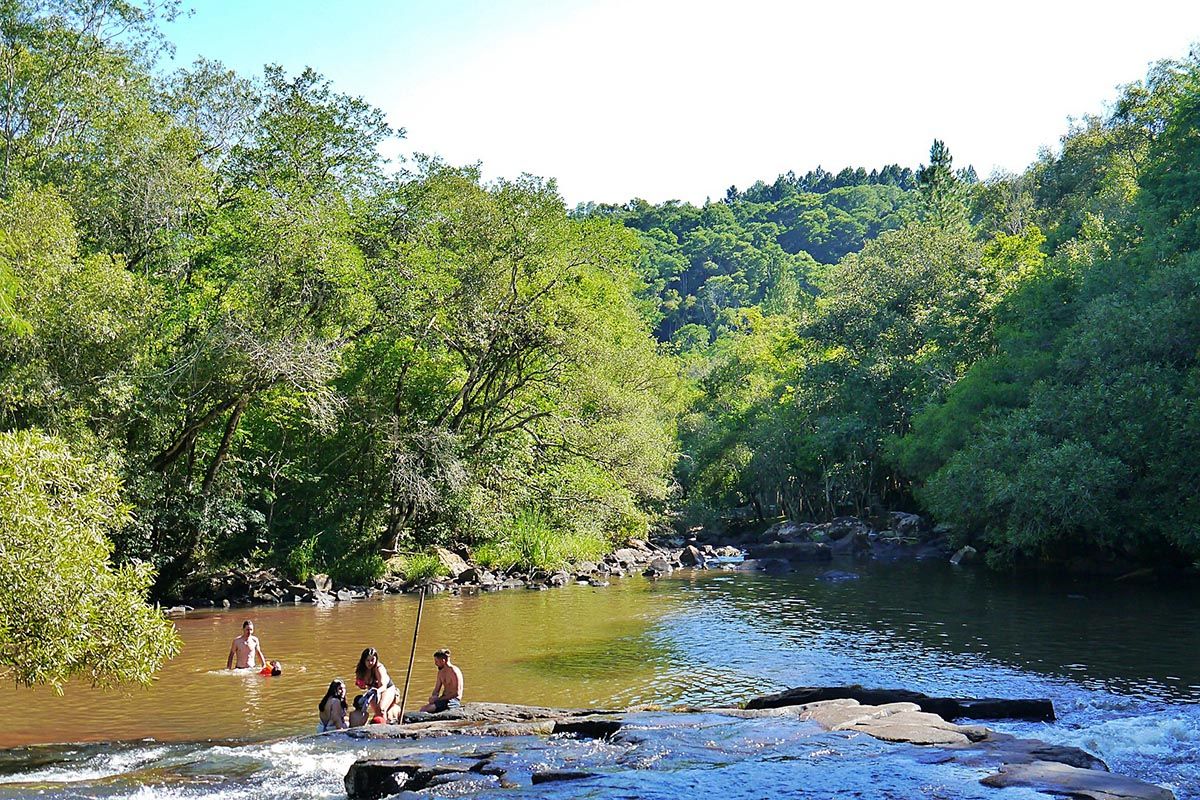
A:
333, 707
370, 674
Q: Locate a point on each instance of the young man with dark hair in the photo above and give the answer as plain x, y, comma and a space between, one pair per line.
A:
448, 691
246, 649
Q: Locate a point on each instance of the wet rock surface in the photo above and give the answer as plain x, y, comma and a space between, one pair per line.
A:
1037, 710
1085, 784
1015, 762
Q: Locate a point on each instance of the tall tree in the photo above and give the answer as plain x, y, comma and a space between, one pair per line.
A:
943, 198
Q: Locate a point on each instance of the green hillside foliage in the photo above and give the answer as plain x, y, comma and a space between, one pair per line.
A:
1020, 361
761, 247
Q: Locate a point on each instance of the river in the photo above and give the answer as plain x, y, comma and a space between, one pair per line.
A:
1121, 663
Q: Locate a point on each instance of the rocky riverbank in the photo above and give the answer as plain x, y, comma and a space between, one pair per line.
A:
1009, 761
774, 550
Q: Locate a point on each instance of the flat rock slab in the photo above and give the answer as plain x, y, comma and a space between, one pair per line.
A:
496, 719
1003, 748
1037, 710
1086, 784
847, 714
499, 712
893, 722
460, 727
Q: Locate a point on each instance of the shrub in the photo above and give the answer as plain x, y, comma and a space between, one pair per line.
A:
419, 566
301, 562
533, 542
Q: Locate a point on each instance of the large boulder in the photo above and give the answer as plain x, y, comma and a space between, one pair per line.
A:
851, 544
771, 566
370, 779
907, 525
691, 557
320, 582
374, 778
453, 562
792, 551
657, 568
628, 556
840, 527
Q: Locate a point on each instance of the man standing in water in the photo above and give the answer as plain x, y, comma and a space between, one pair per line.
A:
246, 649
447, 693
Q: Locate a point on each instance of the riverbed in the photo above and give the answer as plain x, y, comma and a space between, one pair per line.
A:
1119, 661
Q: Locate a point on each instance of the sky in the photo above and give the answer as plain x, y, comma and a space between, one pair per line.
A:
669, 99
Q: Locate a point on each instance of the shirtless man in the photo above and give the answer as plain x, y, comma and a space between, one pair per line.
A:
448, 691
246, 649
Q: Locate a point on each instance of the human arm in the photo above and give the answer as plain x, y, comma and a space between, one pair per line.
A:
260, 654
438, 687
232, 653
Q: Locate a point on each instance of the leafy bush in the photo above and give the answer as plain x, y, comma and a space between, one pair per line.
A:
532, 541
65, 610
419, 566
358, 568
301, 561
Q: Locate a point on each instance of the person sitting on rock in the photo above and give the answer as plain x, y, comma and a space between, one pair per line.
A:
358, 714
448, 691
362, 712
333, 707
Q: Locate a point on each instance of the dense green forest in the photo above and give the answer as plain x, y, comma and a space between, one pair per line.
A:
231, 333
1016, 358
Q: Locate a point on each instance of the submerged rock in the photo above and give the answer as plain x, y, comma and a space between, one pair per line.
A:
550, 776
837, 576
1086, 784
965, 555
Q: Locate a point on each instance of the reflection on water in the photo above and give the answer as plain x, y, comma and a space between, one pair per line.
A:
575, 646
1119, 663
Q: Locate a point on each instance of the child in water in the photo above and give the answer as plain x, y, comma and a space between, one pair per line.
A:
274, 669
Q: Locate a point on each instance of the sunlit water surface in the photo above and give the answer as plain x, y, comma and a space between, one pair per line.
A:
1120, 663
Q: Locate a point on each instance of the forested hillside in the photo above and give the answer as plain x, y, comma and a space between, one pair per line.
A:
762, 247
1020, 360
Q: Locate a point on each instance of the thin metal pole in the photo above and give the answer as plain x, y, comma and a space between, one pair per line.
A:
412, 656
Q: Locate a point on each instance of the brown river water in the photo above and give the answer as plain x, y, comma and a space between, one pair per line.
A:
512, 647
1119, 661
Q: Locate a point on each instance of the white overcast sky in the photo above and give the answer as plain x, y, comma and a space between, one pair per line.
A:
668, 99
